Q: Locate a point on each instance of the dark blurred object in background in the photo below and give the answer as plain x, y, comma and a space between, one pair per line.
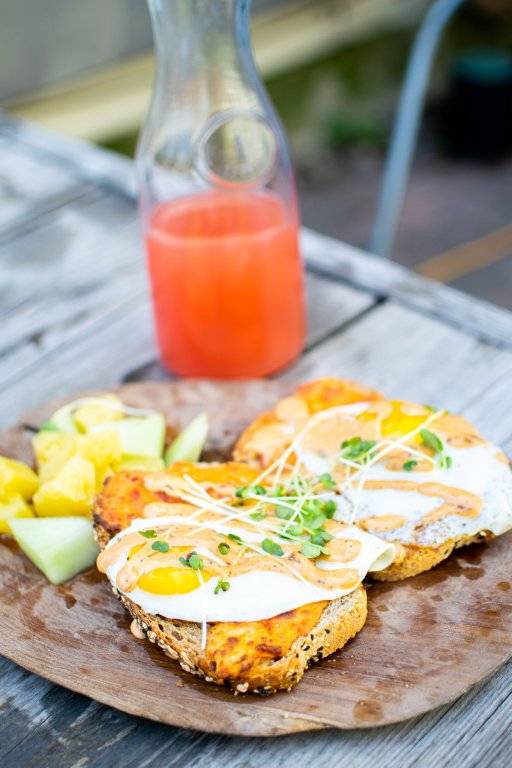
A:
476, 120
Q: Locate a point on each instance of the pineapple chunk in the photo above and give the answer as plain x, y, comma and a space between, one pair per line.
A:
12, 507
52, 450
16, 477
102, 449
98, 411
70, 492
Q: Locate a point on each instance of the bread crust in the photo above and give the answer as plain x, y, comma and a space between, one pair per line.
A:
339, 622
413, 560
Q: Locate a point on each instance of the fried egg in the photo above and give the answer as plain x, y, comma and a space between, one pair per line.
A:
413, 496
258, 594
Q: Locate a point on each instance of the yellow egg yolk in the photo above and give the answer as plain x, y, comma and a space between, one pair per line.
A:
399, 423
169, 581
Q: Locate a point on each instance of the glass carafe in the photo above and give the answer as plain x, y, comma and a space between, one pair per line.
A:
218, 200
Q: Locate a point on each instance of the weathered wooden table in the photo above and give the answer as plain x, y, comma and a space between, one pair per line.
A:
75, 313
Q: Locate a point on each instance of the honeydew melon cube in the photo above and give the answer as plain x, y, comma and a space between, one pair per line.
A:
12, 507
139, 435
189, 444
61, 421
146, 463
70, 492
60, 547
16, 477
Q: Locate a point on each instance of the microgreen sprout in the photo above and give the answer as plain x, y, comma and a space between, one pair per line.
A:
312, 550
357, 450
221, 586
272, 548
192, 561
160, 546
327, 481
245, 492
431, 440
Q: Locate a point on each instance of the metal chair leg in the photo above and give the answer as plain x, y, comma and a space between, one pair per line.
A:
405, 130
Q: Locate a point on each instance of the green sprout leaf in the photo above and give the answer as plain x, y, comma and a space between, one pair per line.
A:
283, 513
356, 449
431, 440
272, 548
160, 546
321, 538
327, 481
409, 465
192, 561
221, 586
311, 550
149, 534
329, 508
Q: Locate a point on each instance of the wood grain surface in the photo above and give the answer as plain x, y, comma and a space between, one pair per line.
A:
427, 640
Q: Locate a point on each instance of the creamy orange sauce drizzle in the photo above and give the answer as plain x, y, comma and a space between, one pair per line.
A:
457, 431
455, 502
381, 523
239, 560
326, 437
395, 461
273, 433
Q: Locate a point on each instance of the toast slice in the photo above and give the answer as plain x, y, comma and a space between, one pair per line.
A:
261, 656
269, 434
256, 656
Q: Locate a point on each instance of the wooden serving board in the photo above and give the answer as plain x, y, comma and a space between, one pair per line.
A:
427, 639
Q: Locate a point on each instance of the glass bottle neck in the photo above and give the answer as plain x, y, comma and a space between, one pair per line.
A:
201, 33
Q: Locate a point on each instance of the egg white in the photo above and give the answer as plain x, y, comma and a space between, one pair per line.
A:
252, 596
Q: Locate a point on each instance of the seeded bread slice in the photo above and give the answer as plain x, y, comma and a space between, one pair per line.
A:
233, 658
